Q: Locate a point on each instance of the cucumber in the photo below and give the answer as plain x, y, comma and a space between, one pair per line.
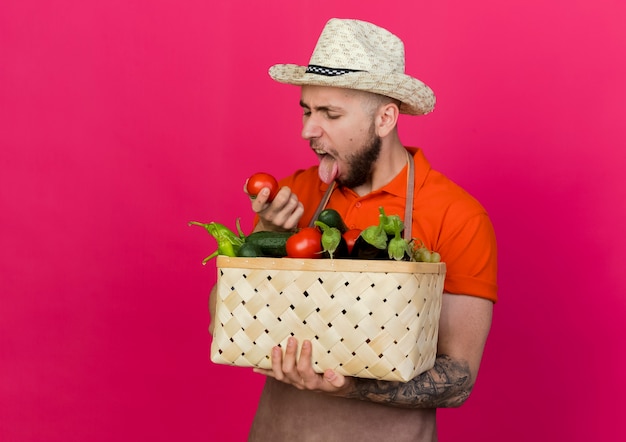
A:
249, 250
332, 218
271, 244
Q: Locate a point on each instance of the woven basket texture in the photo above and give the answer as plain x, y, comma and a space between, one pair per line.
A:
369, 319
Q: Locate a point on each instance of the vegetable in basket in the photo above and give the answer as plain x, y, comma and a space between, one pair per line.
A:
420, 253
228, 242
332, 218
398, 248
392, 224
265, 243
333, 242
305, 243
350, 237
376, 235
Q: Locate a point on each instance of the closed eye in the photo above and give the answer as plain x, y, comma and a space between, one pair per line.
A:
330, 112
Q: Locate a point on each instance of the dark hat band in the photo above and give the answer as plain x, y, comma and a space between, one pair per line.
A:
328, 72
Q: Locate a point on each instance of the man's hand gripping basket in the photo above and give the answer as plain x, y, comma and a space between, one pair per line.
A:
370, 319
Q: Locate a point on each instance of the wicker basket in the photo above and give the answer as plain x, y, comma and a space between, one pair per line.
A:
369, 319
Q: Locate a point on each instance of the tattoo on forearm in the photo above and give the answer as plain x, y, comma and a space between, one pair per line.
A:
447, 384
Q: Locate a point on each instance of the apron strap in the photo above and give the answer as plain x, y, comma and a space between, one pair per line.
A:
322, 204
410, 189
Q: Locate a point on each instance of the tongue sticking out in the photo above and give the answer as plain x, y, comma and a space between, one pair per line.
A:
328, 169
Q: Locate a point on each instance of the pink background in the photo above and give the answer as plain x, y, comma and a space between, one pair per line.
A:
120, 121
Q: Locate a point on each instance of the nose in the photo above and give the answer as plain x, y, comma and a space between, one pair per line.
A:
310, 128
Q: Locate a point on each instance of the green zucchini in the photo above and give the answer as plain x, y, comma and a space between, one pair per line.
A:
271, 244
332, 218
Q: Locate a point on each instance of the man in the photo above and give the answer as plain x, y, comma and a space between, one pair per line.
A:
352, 93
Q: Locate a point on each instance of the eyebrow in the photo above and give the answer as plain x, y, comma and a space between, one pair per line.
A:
327, 108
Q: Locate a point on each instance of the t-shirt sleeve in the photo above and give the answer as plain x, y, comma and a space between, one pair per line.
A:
470, 254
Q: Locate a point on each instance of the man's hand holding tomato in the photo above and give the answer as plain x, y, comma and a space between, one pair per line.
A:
278, 209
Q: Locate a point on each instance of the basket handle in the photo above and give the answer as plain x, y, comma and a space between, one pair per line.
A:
408, 207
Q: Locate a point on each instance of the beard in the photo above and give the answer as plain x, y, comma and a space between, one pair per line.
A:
361, 163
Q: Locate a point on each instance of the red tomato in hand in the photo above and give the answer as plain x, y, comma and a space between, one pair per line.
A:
306, 243
260, 181
350, 237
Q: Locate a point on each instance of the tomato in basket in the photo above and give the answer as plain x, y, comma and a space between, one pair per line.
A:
306, 243
350, 237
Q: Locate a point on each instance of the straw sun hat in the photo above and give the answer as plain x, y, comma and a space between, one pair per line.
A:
358, 55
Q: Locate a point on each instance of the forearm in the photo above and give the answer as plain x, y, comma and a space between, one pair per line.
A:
448, 384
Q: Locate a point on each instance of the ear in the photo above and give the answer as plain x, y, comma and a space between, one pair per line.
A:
387, 119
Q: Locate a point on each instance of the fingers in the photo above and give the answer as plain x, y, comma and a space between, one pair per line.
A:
289, 369
334, 379
310, 379
306, 356
297, 371
283, 212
